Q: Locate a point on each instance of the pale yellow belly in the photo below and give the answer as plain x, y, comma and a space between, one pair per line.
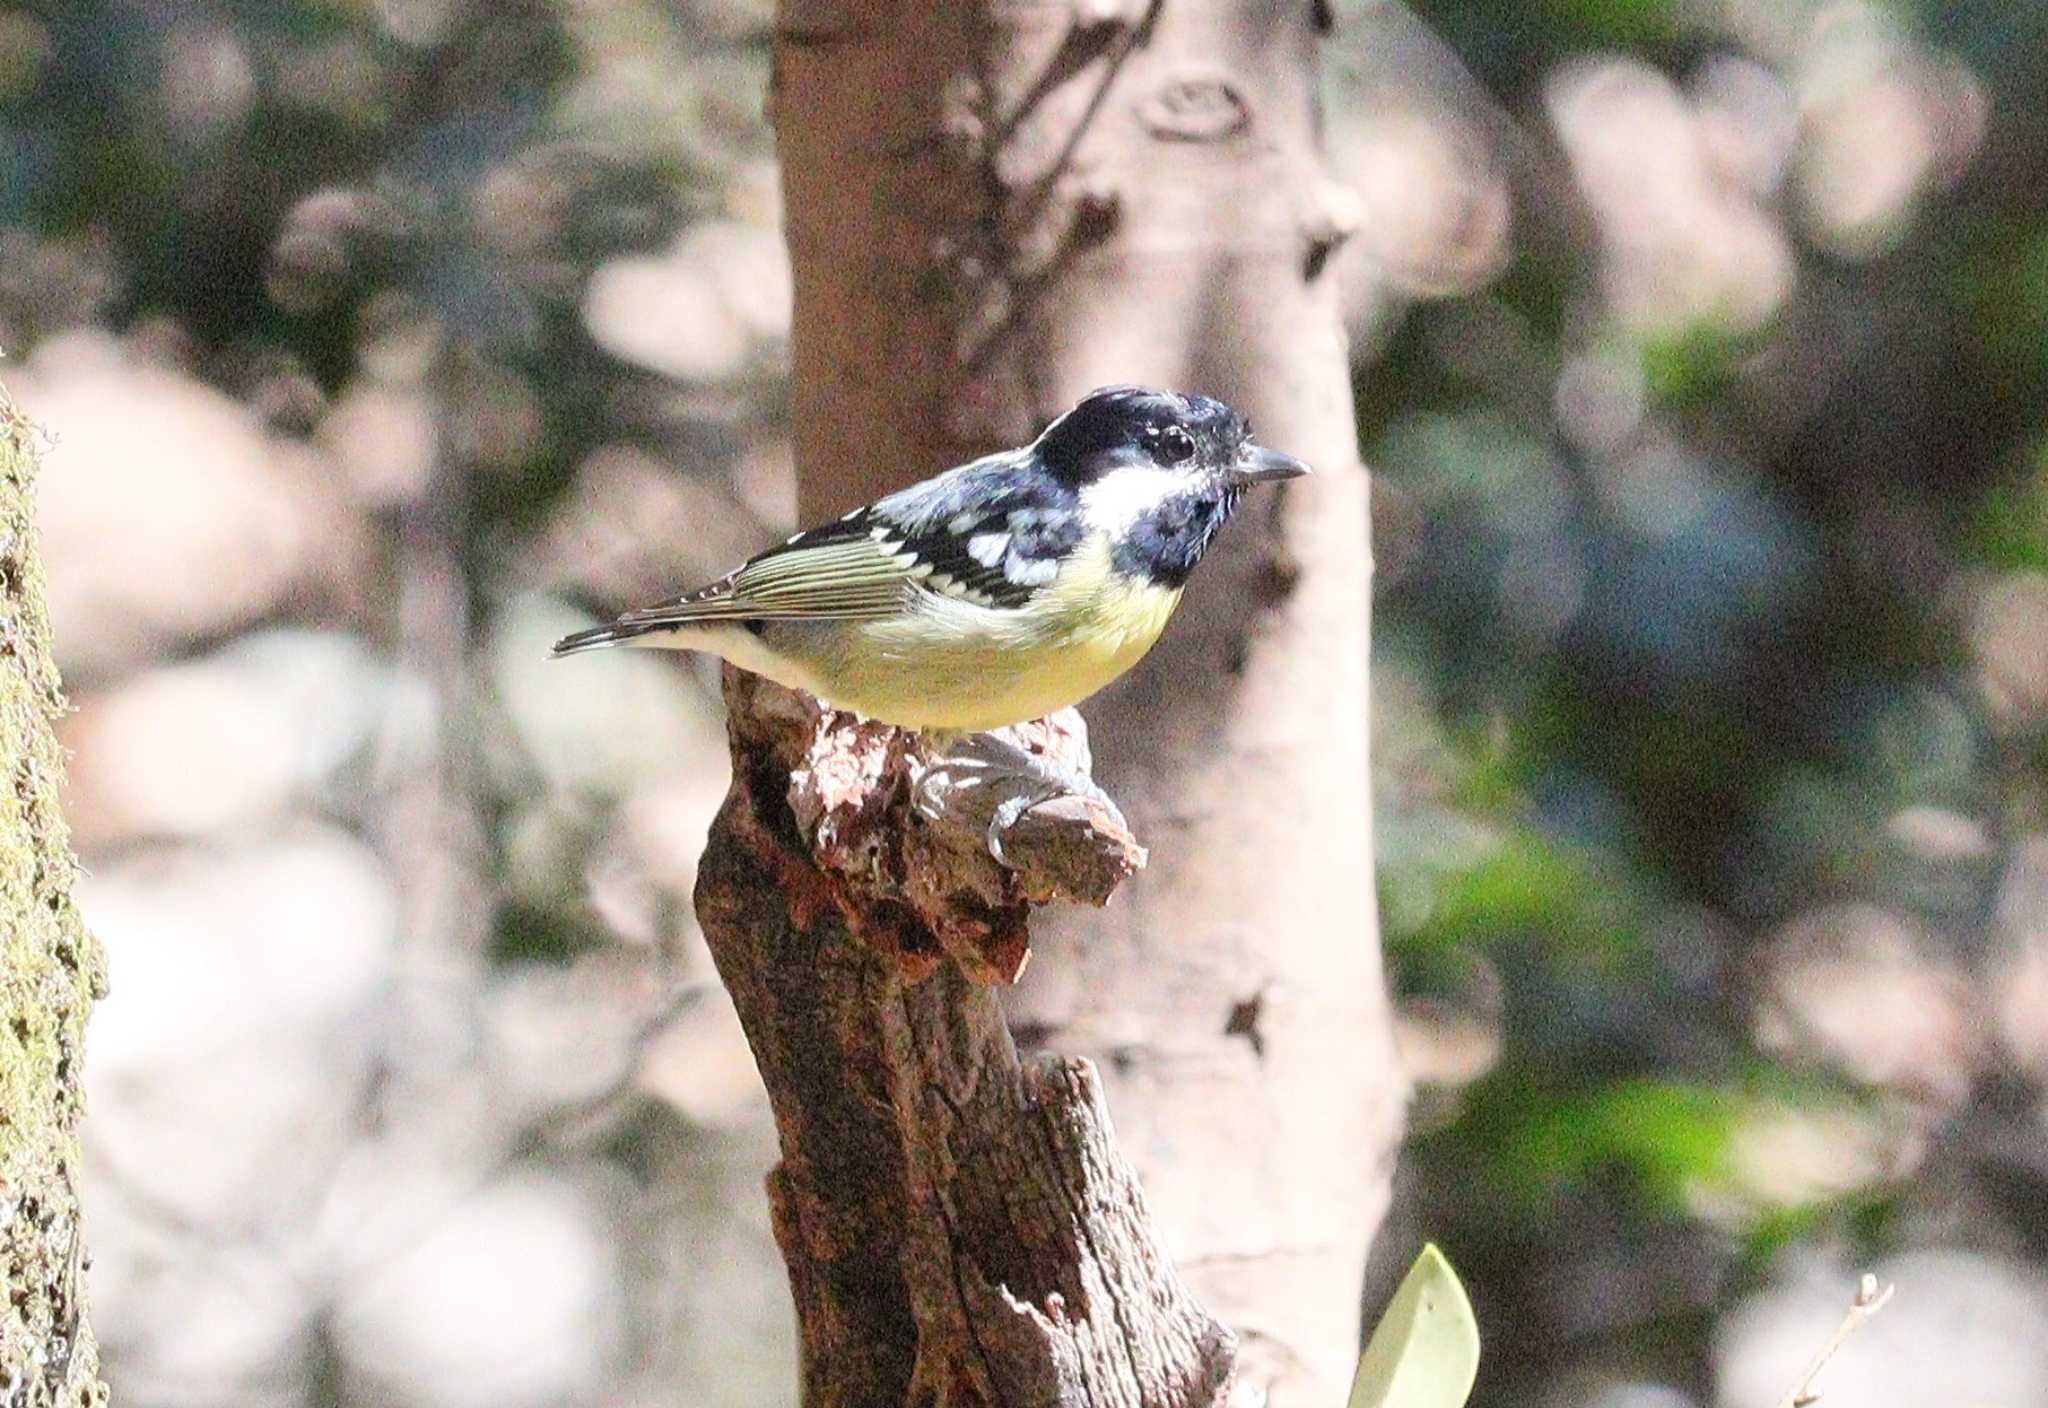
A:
951, 664
985, 684
956, 665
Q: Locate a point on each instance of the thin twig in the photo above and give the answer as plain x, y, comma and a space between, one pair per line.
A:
1869, 1300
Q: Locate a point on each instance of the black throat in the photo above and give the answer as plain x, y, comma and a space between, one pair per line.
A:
1164, 543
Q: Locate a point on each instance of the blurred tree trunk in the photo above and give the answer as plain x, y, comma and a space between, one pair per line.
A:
51, 971
991, 208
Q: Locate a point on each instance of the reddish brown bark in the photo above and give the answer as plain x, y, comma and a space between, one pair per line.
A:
958, 1226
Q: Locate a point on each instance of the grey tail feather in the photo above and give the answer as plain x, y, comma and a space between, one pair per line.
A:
598, 637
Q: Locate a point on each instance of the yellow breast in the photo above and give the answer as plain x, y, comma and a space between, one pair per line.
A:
962, 666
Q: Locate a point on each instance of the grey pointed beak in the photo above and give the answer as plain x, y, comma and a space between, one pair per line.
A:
1258, 465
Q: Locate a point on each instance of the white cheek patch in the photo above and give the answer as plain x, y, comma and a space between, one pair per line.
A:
988, 548
1113, 502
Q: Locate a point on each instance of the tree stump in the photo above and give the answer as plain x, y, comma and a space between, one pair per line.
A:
959, 1227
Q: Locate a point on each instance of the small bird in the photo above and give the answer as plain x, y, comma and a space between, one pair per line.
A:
997, 592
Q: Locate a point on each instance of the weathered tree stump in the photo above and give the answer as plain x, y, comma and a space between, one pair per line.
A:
959, 1228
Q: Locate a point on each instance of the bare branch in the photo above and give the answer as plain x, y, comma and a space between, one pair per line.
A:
1869, 1300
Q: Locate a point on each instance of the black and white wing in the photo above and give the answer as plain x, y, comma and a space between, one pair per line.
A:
984, 533
844, 571
992, 532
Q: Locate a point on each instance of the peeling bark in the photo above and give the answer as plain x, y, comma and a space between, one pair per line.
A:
51, 971
959, 1227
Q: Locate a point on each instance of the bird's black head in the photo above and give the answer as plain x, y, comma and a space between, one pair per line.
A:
1158, 472
1125, 425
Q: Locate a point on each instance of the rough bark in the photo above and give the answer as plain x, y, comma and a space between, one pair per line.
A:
959, 1228
51, 971
993, 207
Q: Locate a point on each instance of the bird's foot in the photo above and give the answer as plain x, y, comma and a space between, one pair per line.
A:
994, 775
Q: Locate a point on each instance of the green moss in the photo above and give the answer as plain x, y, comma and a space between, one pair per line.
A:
51, 970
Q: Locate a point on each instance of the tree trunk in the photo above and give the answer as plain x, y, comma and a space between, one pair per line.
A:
993, 207
51, 971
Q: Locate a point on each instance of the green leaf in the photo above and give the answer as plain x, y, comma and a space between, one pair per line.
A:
1424, 1353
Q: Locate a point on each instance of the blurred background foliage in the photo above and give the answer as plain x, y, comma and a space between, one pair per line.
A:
1702, 351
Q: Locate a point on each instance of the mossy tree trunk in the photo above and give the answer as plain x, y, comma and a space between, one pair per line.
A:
51, 971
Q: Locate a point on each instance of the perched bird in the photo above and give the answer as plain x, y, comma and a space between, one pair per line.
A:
996, 592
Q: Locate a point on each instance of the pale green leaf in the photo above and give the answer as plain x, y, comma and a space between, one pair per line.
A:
1424, 1353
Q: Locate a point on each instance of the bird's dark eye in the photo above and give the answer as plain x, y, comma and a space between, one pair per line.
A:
1172, 445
